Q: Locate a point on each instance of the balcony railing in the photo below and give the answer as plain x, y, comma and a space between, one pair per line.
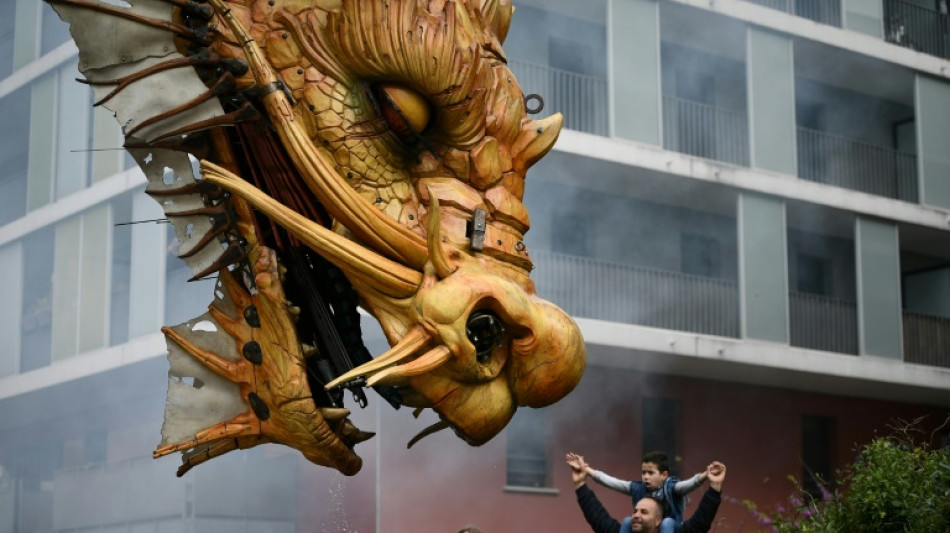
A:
705, 130
582, 99
856, 165
617, 292
822, 323
926, 339
823, 11
917, 27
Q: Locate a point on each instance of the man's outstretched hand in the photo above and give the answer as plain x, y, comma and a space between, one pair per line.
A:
578, 468
716, 474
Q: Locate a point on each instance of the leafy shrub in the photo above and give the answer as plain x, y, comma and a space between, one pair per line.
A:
895, 485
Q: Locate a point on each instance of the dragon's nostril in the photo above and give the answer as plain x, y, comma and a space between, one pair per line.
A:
485, 330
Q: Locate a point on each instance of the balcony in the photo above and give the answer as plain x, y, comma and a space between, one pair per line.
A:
822, 323
823, 11
856, 165
618, 292
926, 339
920, 28
705, 130
582, 99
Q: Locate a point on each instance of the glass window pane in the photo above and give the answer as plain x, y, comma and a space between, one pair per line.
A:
14, 147
7, 28
37, 300
54, 32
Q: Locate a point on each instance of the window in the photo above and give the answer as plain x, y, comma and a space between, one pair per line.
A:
816, 452
571, 234
14, 146
37, 317
700, 255
527, 455
813, 275
660, 418
7, 34
121, 269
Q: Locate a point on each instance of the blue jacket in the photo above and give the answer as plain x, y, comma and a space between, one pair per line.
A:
673, 505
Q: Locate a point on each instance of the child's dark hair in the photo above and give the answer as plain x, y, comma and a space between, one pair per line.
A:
660, 459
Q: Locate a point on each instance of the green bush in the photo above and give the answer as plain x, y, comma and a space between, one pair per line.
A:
893, 486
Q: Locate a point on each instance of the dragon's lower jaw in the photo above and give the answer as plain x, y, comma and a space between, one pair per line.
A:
238, 379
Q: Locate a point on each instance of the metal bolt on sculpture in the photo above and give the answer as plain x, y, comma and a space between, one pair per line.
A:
351, 152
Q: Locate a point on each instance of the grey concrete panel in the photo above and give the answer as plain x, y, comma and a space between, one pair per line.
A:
771, 75
634, 66
865, 16
933, 141
95, 270
879, 294
763, 277
72, 133
66, 288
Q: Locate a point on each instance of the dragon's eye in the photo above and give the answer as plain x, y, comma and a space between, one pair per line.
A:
406, 111
485, 330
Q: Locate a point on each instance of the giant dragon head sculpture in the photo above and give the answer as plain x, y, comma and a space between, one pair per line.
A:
384, 139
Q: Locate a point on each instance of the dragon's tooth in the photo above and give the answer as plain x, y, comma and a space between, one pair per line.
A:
334, 413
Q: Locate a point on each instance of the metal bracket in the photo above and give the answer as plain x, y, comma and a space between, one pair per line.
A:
475, 230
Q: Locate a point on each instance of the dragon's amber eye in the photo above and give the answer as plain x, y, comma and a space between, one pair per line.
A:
485, 330
406, 111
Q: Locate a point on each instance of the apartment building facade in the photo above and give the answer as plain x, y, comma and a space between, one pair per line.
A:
748, 214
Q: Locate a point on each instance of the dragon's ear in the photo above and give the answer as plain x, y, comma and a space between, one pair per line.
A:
498, 13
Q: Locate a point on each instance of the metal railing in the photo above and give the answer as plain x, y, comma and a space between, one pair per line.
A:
926, 339
916, 27
856, 165
705, 130
582, 99
618, 292
823, 11
823, 323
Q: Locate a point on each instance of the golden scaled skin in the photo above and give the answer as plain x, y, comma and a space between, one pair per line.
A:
405, 123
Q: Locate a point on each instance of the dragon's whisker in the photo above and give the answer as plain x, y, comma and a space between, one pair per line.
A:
380, 273
434, 428
407, 347
393, 375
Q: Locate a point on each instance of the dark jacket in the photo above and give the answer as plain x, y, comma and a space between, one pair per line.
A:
601, 522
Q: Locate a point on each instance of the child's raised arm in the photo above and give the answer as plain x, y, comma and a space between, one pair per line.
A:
610, 482
689, 485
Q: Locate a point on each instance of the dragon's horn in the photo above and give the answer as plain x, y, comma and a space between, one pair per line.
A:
498, 13
344, 204
382, 274
536, 139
